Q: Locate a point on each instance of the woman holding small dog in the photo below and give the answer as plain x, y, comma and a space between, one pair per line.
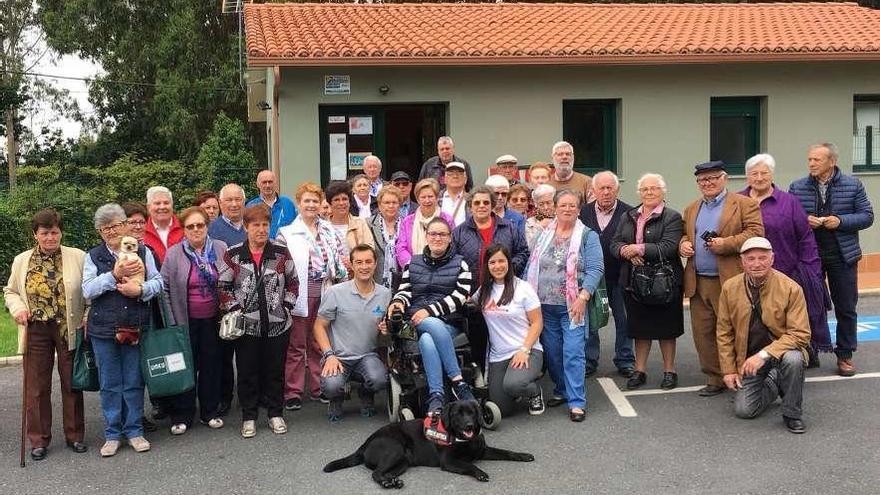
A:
119, 291
433, 290
513, 315
190, 276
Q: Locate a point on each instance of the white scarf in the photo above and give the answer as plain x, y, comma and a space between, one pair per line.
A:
420, 230
299, 240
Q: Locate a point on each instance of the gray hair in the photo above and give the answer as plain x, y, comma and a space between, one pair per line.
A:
833, 153
157, 190
107, 214
561, 144
496, 180
358, 177
373, 157
493, 198
760, 158
607, 173
445, 140
648, 176
543, 190
566, 192
228, 187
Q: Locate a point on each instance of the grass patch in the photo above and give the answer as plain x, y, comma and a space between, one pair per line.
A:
8, 332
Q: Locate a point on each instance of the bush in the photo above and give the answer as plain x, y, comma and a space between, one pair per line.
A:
226, 157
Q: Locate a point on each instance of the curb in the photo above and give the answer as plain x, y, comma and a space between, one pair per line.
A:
10, 361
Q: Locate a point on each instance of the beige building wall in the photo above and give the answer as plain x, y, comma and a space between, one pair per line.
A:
664, 114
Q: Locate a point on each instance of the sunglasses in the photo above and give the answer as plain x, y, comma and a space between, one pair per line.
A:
484, 202
401, 183
195, 226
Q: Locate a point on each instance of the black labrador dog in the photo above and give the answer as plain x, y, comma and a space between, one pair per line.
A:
392, 449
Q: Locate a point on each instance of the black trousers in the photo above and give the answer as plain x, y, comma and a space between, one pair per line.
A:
205, 343
478, 337
260, 365
227, 370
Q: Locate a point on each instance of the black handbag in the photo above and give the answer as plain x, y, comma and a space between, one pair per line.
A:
653, 284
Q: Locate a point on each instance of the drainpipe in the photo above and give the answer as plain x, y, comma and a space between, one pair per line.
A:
276, 133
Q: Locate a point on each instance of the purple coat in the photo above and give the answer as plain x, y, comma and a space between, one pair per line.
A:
403, 248
797, 255
175, 273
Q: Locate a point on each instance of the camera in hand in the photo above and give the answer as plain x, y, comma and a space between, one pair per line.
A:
395, 321
708, 235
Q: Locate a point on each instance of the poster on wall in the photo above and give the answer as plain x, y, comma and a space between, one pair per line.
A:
337, 85
360, 126
338, 161
356, 160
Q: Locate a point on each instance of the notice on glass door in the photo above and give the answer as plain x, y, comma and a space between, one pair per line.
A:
360, 126
338, 157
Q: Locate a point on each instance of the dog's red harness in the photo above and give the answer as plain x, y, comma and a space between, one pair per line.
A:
435, 431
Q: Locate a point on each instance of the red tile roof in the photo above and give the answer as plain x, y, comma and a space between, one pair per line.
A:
522, 33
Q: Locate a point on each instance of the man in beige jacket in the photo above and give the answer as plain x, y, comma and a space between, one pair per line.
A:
763, 333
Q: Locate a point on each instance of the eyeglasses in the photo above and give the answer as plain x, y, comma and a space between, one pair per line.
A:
195, 226
709, 178
137, 223
484, 202
455, 172
115, 226
401, 183
438, 235
519, 199
650, 189
502, 193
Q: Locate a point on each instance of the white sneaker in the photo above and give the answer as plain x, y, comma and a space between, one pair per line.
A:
139, 444
215, 423
278, 426
248, 428
178, 429
110, 447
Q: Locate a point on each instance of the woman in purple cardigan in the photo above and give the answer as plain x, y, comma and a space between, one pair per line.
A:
411, 238
794, 246
190, 276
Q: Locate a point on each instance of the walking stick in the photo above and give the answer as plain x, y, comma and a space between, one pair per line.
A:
24, 390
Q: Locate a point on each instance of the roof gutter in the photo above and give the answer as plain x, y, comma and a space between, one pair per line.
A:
276, 134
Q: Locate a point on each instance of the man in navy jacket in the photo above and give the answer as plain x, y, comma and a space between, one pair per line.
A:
837, 209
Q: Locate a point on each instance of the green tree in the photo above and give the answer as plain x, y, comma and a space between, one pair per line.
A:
226, 157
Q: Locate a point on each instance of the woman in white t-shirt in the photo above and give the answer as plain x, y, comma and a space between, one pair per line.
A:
513, 316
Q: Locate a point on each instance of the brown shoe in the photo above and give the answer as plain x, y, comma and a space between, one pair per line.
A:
845, 367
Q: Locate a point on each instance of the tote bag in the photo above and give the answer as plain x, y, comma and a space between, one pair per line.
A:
85, 370
166, 357
598, 308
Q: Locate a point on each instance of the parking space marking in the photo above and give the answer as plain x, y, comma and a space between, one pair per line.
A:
625, 409
618, 400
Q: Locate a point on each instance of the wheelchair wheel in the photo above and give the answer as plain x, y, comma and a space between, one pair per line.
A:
491, 415
394, 393
406, 414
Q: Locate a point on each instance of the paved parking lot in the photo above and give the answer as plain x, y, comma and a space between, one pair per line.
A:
676, 443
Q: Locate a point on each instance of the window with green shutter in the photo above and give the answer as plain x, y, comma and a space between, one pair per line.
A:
591, 128
735, 131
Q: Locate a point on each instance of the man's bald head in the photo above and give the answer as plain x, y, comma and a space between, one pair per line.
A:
267, 184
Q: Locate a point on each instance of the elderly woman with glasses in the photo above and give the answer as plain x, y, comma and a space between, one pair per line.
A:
190, 276
119, 309
795, 252
385, 225
542, 196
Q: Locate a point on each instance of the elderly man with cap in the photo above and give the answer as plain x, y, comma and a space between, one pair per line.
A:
715, 227
763, 335
499, 185
436, 165
564, 178
506, 165
453, 200
403, 181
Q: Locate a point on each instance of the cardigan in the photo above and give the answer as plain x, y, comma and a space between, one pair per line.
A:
175, 274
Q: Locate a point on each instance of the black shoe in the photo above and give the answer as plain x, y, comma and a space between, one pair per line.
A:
814, 358
462, 391
710, 390
39, 453
148, 425
589, 373
794, 425
78, 447
625, 372
556, 401
636, 380
321, 398
434, 404
159, 413
670, 380
294, 404
223, 408
536, 404
577, 417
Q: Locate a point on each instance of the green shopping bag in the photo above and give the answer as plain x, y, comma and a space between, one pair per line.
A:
598, 307
85, 370
166, 357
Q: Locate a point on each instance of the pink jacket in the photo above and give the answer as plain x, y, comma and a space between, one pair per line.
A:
403, 248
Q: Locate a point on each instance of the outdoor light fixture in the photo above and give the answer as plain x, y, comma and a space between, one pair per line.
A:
384, 89
264, 105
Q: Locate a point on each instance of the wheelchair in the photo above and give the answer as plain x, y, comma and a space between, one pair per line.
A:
408, 385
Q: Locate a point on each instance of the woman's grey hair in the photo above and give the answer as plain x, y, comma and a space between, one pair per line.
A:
496, 180
157, 190
358, 177
760, 158
543, 190
493, 198
649, 176
108, 214
566, 192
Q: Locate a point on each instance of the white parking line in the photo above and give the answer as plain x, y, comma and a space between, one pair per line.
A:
625, 409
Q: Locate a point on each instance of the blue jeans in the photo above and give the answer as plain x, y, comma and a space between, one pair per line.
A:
844, 288
438, 352
564, 353
122, 388
623, 345
369, 370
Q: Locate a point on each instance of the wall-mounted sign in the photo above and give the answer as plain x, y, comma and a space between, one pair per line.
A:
336, 119
337, 85
338, 162
356, 160
360, 125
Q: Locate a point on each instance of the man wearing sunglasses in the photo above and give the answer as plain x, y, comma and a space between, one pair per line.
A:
403, 181
499, 185
715, 227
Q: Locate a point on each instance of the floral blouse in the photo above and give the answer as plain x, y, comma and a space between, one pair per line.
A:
45, 288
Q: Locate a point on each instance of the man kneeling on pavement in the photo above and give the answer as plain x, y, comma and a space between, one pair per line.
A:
763, 334
350, 319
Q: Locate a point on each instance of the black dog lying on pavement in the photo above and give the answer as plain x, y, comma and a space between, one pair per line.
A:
392, 449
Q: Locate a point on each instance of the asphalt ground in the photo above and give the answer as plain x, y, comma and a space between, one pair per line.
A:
677, 443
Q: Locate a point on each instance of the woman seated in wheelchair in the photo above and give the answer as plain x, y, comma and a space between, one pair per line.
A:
432, 293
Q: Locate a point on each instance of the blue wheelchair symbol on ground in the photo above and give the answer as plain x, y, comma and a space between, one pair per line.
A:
868, 328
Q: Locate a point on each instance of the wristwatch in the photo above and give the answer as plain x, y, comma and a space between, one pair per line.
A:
526, 350
328, 353
764, 354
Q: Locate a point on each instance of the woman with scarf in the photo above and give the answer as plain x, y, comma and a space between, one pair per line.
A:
565, 269
190, 276
363, 205
412, 239
385, 225
319, 253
